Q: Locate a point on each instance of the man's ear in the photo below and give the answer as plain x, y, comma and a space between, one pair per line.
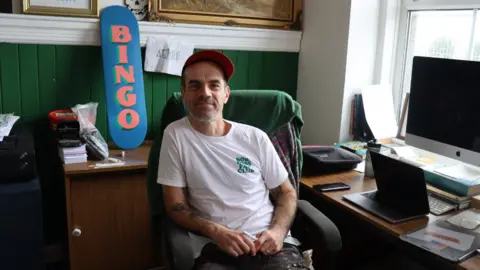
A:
227, 94
182, 93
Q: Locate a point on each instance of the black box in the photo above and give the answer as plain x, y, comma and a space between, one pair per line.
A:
17, 156
6, 6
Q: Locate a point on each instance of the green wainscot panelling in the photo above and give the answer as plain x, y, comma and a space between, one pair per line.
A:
37, 79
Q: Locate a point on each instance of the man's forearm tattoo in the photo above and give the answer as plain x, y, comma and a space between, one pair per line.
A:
179, 207
276, 193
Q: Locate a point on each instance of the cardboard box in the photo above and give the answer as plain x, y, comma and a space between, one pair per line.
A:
475, 202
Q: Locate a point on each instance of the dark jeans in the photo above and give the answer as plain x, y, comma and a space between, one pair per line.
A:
213, 258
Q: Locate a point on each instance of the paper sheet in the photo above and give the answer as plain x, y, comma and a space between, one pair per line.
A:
360, 167
166, 55
404, 151
379, 111
450, 238
6, 124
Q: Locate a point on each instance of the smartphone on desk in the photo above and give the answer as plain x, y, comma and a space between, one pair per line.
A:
331, 187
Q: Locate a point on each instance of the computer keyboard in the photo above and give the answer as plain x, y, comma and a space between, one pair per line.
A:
438, 206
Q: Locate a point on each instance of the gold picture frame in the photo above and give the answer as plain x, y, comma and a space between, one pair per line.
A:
93, 11
244, 13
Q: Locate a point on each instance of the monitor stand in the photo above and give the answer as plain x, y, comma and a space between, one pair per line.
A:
460, 171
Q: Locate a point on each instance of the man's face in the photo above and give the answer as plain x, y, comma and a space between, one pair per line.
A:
205, 91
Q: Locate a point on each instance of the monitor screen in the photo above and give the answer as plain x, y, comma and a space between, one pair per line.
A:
444, 104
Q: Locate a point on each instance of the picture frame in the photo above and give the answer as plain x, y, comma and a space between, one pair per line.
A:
279, 14
77, 8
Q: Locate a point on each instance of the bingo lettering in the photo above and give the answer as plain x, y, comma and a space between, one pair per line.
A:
123, 75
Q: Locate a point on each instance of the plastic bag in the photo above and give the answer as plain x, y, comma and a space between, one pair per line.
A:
96, 146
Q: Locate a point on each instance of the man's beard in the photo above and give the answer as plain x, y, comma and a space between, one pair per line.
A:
206, 118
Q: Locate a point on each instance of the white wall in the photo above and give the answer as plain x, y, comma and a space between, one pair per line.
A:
337, 58
322, 66
361, 55
17, 4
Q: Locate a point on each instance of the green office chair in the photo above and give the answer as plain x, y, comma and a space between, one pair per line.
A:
272, 111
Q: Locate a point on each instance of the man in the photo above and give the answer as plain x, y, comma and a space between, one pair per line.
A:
217, 176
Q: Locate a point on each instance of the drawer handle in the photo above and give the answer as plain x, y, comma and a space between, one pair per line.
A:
76, 232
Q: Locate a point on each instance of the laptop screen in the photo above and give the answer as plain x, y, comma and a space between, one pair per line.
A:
400, 185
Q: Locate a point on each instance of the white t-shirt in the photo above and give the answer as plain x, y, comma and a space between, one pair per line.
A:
227, 177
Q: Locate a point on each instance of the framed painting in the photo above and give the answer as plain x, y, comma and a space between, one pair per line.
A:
283, 14
74, 8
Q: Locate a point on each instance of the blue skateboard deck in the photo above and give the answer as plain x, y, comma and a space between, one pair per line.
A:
123, 76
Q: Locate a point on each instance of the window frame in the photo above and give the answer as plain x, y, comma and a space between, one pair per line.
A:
401, 39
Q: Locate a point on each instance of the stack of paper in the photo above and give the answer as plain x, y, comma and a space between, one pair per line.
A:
73, 154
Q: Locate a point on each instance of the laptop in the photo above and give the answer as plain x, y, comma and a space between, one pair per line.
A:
401, 191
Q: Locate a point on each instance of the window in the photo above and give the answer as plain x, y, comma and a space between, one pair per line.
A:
450, 34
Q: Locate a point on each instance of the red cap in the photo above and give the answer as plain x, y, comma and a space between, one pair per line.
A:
215, 56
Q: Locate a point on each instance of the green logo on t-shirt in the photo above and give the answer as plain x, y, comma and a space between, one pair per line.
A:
244, 165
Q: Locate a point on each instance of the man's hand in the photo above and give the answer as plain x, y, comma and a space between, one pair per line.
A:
270, 241
285, 200
234, 243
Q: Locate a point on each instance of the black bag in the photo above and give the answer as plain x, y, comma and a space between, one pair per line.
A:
320, 160
17, 156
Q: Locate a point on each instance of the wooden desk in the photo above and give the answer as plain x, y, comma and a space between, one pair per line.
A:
358, 184
108, 215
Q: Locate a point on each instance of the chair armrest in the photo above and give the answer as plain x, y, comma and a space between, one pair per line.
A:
329, 234
178, 246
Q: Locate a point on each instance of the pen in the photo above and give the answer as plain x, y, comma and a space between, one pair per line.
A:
249, 235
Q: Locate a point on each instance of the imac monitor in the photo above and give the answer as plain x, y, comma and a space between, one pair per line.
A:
444, 111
